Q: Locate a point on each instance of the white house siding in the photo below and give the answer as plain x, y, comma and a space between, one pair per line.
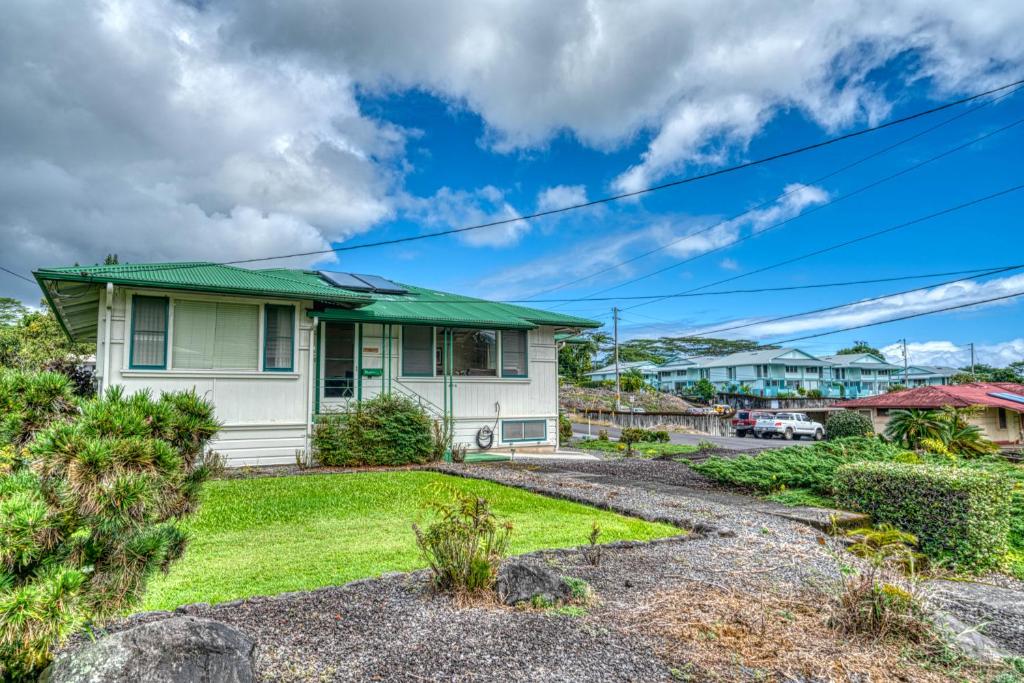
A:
263, 413
475, 398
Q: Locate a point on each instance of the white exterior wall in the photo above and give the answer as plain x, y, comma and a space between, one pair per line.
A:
474, 398
263, 413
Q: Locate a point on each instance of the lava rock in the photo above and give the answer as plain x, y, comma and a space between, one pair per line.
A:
523, 580
175, 650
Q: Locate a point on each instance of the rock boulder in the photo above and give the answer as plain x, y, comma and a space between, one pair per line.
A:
175, 650
523, 580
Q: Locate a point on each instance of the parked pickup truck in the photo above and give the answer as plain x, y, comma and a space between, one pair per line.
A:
745, 420
789, 426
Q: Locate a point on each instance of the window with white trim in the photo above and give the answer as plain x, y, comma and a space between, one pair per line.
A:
278, 338
524, 430
474, 353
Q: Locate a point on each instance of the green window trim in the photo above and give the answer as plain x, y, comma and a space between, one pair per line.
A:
526, 355
131, 350
267, 309
506, 423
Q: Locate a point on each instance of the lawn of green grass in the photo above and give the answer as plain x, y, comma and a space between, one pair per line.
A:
277, 534
643, 450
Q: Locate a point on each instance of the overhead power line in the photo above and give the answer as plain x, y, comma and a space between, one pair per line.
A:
771, 201
855, 240
647, 190
819, 207
902, 317
757, 290
847, 304
17, 275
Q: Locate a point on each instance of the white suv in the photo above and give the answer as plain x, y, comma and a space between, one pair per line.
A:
789, 426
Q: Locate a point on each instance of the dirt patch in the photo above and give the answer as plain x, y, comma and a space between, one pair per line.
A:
713, 634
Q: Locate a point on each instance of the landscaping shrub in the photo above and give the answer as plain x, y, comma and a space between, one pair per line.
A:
602, 435
92, 506
385, 430
465, 546
846, 423
660, 436
564, 429
806, 467
960, 516
30, 401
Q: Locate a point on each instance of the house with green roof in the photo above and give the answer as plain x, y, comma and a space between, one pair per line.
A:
273, 348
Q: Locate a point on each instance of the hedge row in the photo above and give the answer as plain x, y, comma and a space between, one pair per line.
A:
961, 517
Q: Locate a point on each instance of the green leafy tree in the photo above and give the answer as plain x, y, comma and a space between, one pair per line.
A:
859, 347
844, 423
575, 360
91, 507
110, 260
1014, 372
632, 380
705, 390
910, 426
11, 311
663, 349
36, 341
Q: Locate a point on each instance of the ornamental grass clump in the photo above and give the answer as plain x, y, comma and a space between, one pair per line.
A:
465, 546
91, 508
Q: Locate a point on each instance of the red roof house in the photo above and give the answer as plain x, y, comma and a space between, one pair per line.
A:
1002, 420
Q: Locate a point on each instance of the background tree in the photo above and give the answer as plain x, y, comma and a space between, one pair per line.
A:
11, 311
705, 390
632, 380
110, 260
859, 346
575, 359
1014, 372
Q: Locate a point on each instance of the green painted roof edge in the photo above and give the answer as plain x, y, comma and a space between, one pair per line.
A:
68, 275
367, 315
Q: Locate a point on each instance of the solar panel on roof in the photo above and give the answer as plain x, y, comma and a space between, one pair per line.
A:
1006, 396
382, 285
362, 283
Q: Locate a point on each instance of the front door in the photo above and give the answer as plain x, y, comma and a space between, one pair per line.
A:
339, 365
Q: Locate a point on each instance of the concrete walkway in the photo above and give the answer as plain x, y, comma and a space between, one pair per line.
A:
579, 429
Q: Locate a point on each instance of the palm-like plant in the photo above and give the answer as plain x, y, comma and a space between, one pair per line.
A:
911, 426
967, 440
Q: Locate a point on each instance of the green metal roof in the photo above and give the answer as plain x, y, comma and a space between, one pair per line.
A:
73, 292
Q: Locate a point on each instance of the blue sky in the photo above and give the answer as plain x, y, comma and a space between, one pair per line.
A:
173, 131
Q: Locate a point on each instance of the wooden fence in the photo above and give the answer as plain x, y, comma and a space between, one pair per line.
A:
712, 425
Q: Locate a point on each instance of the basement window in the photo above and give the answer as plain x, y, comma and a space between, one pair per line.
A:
524, 430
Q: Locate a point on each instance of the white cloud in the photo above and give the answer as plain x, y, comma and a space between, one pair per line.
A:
702, 78
685, 237
943, 296
128, 127
948, 354
450, 208
560, 196
729, 264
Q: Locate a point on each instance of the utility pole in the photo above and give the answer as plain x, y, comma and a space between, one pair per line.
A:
905, 363
618, 390
972, 359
